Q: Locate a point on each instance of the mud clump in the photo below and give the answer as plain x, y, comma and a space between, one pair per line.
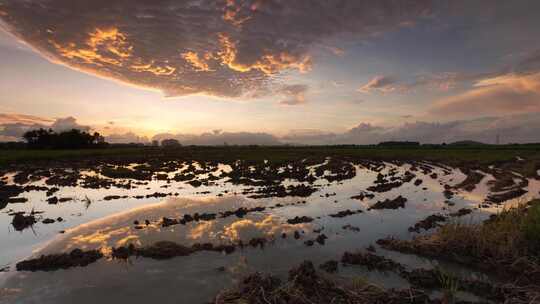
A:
300, 220
398, 202
48, 221
461, 212
164, 250
114, 197
321, 239
370, 260
348, 212
363, 195
21, 221
52, 200
502, 197
17, 200
76, 258
351, 228
305, 286
385, 187
473, 178
282, 191
7, 192
329, 266
428, 223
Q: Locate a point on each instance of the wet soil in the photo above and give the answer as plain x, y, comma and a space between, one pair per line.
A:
76, 258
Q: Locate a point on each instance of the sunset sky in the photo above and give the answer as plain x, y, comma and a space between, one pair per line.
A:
272, 71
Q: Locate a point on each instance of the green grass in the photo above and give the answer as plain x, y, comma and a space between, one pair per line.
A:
481, 155
18, 156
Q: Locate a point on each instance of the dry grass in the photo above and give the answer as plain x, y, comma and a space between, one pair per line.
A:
507, 244
509, 236
306, 286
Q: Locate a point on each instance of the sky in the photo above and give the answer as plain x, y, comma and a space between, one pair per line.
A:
272, 71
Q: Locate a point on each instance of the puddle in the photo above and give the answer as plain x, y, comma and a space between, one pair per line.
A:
89, 221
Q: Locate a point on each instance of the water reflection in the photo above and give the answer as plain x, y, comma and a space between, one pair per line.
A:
91, 222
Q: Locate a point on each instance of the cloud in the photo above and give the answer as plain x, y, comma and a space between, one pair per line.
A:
66, 124
227, 48
518, 128
441, 81
7, 118
13, 126
126, 138
522, 128
381, 84
529, 63
506, 94
308, 137
294, 94
221, 138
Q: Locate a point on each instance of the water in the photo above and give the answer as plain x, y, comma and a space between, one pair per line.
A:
103, 224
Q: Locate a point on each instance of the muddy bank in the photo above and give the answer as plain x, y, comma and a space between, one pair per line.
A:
398, 202
305, 285
437, 278
506, 244
76, 258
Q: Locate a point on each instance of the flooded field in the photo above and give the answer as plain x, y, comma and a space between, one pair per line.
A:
129, 232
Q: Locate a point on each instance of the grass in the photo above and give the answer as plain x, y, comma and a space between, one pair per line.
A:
17, 156
506, 245
510, 236
449, 283
449, 154
531, 228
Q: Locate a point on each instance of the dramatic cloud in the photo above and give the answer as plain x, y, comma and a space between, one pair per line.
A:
506, 94
294, 94
224, 48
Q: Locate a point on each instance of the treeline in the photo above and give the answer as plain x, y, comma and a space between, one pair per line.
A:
72, 139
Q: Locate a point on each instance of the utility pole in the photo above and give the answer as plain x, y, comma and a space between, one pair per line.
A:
498, 139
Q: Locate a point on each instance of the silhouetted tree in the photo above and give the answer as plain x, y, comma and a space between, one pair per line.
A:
72, 139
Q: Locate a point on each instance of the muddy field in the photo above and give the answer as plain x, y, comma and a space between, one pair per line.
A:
131, 229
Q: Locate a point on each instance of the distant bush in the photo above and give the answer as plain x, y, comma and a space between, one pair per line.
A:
72, 139
170, 143
399, 143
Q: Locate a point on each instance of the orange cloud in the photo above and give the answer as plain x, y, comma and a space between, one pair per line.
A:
231, 14
154, 69
228, 48
24, 119
506, 94
200, 64
268, 64
103, 46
